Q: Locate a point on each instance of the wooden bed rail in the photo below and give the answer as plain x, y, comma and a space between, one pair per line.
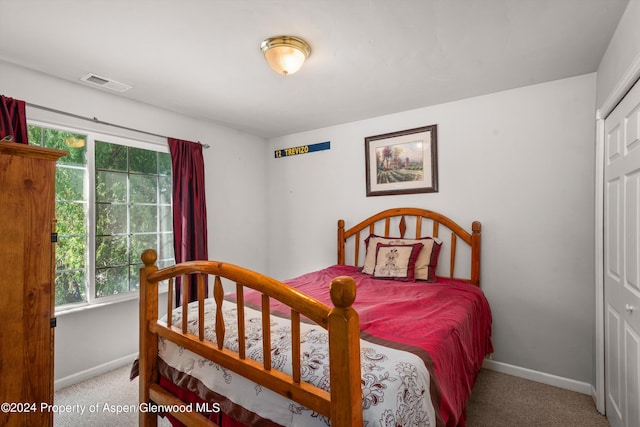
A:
362, 230
343, 405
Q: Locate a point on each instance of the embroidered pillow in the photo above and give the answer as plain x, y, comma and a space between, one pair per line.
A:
425, 264
396, 262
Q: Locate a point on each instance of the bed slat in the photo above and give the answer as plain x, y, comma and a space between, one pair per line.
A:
295, 346
218, 296
201, 295
266, 332
402, 227
242, 343
170, 304
452, 260
357, 247
185, 302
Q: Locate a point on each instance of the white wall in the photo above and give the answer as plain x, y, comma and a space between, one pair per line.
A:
622, 55
236, 203
519, 161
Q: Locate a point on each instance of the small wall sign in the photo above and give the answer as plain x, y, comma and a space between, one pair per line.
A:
303, 149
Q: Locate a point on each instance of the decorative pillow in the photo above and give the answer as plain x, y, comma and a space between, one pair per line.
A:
396, 262
425, 264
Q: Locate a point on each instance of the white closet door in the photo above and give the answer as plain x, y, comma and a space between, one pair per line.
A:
621, 257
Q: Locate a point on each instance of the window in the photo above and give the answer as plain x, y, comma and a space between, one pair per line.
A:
113, 201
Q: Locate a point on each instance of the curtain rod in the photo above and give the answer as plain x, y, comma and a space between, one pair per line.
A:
96, 120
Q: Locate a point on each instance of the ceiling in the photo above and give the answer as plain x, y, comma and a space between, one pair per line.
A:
369, 58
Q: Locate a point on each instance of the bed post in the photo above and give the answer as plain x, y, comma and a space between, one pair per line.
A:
341, 242
148, 358
345, 375
476, 228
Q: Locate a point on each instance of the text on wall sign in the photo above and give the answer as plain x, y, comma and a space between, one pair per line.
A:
302, 149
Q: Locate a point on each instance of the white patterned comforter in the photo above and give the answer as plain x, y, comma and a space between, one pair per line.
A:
395, 384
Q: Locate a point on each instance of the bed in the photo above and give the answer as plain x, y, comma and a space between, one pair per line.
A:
393, 334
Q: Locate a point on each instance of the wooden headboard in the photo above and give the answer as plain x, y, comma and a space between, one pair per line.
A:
418, 223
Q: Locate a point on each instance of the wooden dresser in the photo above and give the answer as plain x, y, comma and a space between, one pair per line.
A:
27, 266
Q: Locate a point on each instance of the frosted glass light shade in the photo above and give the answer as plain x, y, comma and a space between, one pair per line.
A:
285, 54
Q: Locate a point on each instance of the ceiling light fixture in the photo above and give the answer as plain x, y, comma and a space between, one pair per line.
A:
285, 54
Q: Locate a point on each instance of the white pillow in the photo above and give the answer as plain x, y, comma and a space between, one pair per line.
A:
426, 263
396, 262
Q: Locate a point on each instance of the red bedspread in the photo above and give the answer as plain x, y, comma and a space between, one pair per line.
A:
447, 322
449, 319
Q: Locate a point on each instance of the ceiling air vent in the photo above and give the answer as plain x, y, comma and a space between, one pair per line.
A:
105, 83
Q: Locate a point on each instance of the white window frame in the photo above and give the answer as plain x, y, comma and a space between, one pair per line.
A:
89, 188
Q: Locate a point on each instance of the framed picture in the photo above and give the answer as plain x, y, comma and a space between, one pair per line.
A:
403, 162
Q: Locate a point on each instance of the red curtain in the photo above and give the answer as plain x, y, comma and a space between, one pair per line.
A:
13, 119
189, 206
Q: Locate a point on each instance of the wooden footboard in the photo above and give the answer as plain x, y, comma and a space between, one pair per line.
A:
343, 405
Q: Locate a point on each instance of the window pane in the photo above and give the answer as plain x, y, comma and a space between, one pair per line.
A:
70, 183
76, 156
70, 287
111, 156
166, 246
111, 187
111, 250
35, 135
144, 189
71, 218
71, 253
53, 138
129, 208
166, 218
75, 144
140, 243
165, 189
163, 264
144, 218
71, 207
134, 277
111, 219
143, 161
112, 281
164, 164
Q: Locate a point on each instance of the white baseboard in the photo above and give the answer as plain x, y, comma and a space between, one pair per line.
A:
541, 377
93, 372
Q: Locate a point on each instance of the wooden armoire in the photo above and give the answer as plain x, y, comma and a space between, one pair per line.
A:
27, 291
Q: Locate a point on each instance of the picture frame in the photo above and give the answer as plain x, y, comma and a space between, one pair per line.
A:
403, 162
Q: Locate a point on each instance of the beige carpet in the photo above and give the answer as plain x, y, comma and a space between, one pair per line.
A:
104, 400
498, 400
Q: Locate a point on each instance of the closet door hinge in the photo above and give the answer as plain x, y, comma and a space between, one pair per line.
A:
53, 322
